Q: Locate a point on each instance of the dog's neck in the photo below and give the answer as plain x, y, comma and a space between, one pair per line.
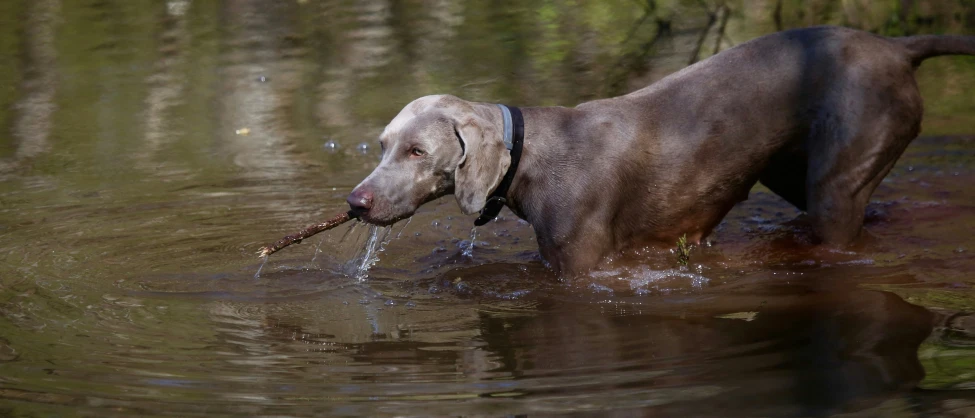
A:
513, 138
544, 126
545, 140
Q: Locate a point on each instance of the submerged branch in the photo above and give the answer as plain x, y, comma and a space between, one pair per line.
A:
305, 233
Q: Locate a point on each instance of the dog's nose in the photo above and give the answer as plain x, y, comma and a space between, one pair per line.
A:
360, 200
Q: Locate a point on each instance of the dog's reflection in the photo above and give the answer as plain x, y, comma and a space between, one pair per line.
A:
809, 354
770, 350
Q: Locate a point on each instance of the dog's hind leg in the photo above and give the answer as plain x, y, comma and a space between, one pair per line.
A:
849, 155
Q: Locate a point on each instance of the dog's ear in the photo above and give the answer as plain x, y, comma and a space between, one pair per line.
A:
483, 164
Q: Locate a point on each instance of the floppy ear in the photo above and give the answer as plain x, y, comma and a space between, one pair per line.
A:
482, 166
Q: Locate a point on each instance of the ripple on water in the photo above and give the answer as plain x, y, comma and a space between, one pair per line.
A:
281, 284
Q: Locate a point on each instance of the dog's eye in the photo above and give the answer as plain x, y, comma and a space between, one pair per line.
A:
417, 152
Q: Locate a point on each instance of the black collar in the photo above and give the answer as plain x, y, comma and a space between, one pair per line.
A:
517, 129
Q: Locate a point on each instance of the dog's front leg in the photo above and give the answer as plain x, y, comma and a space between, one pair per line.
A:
575, 249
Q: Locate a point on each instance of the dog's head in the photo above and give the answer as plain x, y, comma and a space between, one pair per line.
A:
437, 145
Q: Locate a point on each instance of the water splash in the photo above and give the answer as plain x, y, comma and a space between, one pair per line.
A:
369, 258
468, 251
369, 254
644, 280
376, 242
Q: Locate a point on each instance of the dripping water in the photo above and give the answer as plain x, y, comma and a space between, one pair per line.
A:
318, 248
469, 249
404, 227
258, 274
348, 232
369, 254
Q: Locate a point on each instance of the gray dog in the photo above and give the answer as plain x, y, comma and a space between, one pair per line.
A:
818, 115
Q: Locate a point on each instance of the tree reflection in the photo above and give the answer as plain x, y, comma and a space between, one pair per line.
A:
36, 107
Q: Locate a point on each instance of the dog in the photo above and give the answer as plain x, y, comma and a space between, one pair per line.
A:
818, 115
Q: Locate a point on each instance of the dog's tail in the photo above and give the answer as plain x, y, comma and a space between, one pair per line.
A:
922, 47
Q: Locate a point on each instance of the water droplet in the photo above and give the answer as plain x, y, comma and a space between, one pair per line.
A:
411, 304
331, 146
363, 148
263, 79
390, 302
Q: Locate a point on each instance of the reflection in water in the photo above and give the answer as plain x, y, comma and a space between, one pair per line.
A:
260, 77
166, 84
811, 355
36, 109
365, 45
153, 146
807, 352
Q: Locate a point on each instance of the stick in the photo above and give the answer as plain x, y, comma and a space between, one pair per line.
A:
305, 233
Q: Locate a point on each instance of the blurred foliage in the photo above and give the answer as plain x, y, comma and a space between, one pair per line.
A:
373, 56
947, 366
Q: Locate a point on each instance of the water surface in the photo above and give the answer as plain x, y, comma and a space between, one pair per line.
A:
149, 148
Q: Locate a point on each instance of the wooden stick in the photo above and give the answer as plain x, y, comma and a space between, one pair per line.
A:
305, 233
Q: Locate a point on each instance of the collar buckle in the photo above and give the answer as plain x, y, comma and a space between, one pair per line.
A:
498, 199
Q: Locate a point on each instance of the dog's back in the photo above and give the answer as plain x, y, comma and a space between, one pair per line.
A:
819, 115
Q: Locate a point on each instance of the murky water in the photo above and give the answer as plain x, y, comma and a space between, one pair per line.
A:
149, 148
